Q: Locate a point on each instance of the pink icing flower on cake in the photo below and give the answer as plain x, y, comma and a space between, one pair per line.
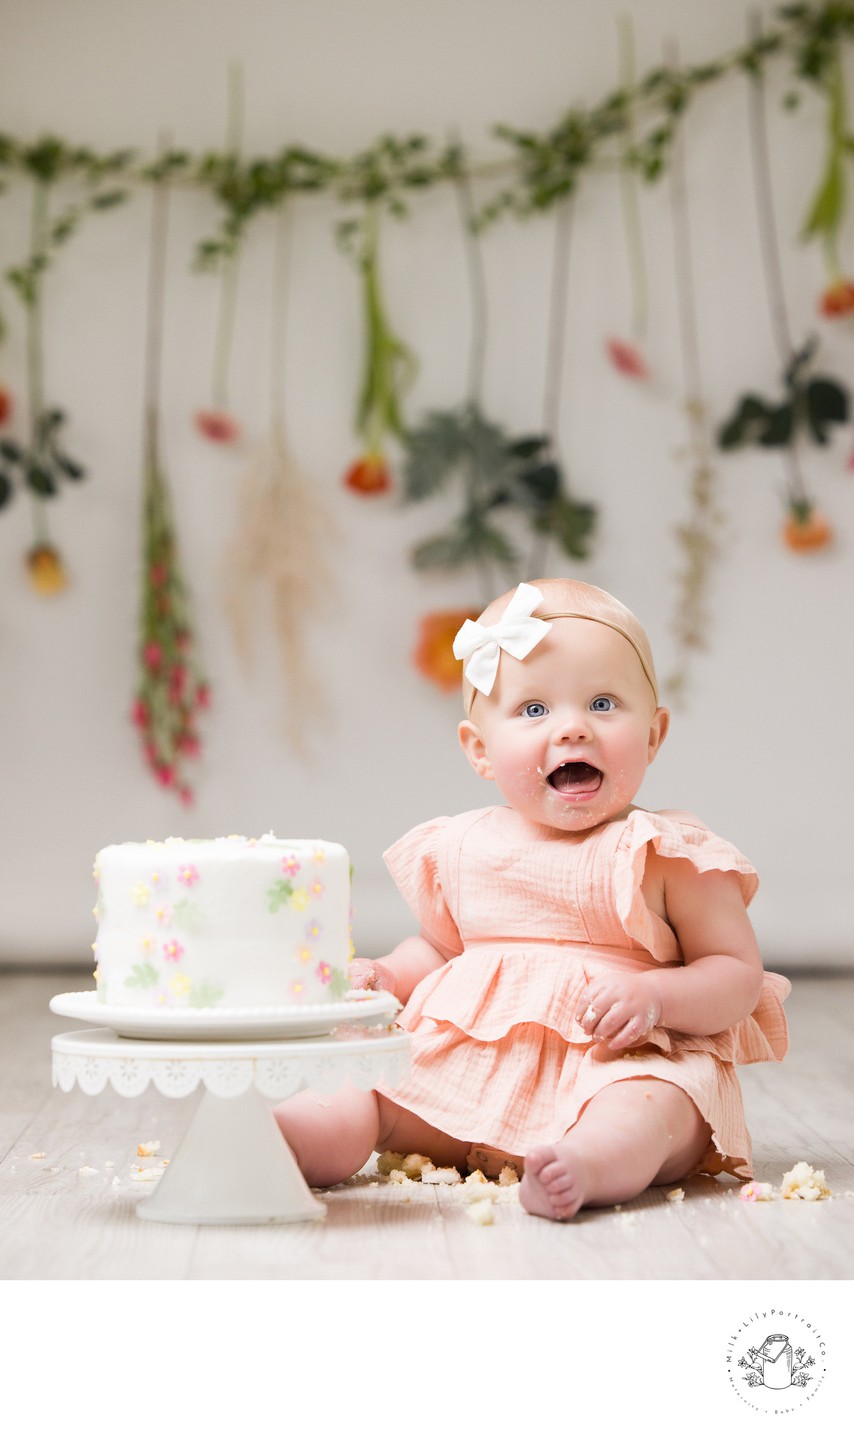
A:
163, 914
172, 951
316, 889
188, 874
324, 972
297, 988
290, 865
305, 954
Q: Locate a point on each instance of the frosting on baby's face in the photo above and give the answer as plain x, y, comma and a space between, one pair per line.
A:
567, 734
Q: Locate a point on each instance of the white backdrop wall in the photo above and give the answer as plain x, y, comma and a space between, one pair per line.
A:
761, 751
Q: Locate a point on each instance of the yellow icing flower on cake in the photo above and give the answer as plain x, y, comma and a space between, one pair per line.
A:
299, 899
140, 893
297, 988
180, 985
319, 857
156, 877
316, 889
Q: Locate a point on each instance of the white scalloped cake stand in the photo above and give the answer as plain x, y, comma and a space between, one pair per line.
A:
233, 1166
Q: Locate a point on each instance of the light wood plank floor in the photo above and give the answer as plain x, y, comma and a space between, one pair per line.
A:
56, 1222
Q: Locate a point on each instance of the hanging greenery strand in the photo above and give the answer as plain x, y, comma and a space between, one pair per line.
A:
171, 690
698, 534
811, 403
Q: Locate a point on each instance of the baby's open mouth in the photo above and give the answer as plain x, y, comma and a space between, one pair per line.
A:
577, 777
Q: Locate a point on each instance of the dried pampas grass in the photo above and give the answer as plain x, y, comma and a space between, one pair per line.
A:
277, 561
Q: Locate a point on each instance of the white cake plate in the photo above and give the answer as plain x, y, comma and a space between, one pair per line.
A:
290, 1021
233, 1165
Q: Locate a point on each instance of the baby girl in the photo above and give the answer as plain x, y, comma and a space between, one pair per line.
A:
586, 976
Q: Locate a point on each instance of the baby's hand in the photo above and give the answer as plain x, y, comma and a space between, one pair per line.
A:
370, 974
619, 1012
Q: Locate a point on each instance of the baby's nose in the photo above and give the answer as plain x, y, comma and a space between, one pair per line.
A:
573, 726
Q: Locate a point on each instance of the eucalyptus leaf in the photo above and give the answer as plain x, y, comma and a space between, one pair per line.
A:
69, 467
779, 428
40, 480
826, 404
11, 450
745, 425
571, 523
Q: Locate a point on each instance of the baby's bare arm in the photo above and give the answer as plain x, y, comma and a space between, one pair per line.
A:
722, 978
719, 984
399, 971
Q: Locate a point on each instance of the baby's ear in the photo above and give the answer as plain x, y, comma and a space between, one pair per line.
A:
658, 731
474, 748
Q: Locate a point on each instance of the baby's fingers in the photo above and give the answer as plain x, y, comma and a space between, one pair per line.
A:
363, 974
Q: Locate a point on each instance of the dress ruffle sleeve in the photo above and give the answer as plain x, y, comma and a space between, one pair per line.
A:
413, 862
763, 1035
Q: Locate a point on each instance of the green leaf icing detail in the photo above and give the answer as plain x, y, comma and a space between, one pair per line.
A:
205, 995
144, 976
187, 915
279, 894
338, 984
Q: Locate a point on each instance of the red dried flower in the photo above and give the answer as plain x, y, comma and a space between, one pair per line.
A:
433, 655
627, 358
152, 656
6, 405
46, 569
838, 299
369, 475
217, 426
805, 528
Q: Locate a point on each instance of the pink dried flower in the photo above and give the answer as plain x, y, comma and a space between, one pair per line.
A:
627, 359
217, 426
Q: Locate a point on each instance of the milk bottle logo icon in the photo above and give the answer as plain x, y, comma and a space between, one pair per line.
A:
776, 1364
776, 1356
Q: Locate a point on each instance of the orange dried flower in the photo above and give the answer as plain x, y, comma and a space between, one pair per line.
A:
433, 655
806, 529
46, 570
838, 299
627, 358
216, 425
369, 475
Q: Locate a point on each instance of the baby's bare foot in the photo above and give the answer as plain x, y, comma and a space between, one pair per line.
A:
554, 1182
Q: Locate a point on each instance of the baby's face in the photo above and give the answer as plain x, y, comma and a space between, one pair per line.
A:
567, 734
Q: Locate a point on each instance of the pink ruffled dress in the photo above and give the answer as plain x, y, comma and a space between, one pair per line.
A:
532, 915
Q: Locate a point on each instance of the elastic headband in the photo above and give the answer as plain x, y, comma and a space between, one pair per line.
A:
518, 631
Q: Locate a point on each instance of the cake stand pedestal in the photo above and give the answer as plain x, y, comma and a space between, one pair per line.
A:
233, 1165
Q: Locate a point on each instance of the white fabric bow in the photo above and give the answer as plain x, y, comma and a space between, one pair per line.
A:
517, 631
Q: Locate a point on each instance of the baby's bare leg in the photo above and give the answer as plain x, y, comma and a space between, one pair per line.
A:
333, 1135
633, 1133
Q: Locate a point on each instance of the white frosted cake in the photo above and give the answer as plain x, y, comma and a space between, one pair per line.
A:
222, 923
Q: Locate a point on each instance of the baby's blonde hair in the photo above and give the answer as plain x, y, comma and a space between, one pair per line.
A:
573, 599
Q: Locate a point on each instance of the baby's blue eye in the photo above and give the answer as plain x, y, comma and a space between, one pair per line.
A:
535, 711
602, 705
